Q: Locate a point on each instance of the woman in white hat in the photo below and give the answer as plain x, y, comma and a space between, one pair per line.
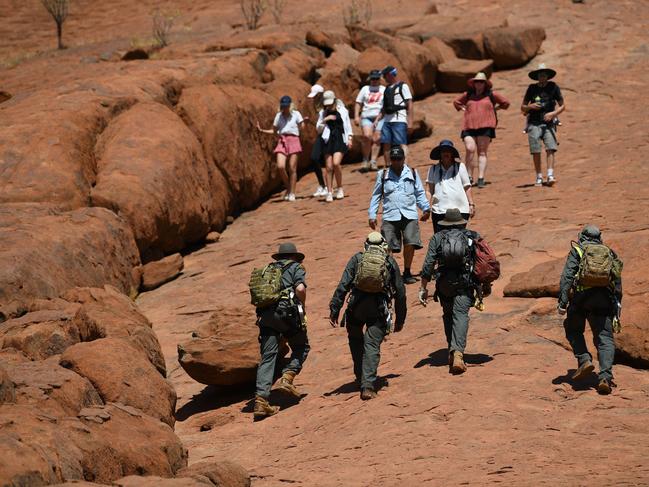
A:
479, 104
335, 128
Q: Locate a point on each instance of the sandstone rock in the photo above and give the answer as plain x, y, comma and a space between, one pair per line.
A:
271, 38
213, 237
453, 75
511, 47
4, 96
148, 161
440, 50
222, 474
378, 58
135, 54
152, 481
296, 62
43, 255
121, 373
540, 281
245, 67
155, 274
326, 41
340, 74
7, 388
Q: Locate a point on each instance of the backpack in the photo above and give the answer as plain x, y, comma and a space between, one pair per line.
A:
455, 250
372, 273
486, 267
389, 106
598, 267
266, 285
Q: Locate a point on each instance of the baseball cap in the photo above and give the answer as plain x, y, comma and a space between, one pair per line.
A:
396, 152
328, 98
285, 101
389, 69
315, 89
374, 74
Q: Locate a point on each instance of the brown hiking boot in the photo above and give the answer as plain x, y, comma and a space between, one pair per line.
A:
263, 409
583, 371
285, 384
457, 363
604, 387
368, 393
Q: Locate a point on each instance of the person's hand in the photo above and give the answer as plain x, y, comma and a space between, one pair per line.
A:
350, 142
472, 210
306, 119
548, 117
561, 311
463, 108
398, 327
425, 216
259, 126
329, 117
333, 319
534, 106
423, 296
372, 224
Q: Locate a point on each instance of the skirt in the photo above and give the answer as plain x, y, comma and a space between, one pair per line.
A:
288, 144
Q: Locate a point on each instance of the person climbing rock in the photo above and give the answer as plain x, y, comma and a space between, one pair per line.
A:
287, 125
401, 191
397, 113
591, 289
449, 261
540, 105
479, 104
373, 279
367, 108
278, 291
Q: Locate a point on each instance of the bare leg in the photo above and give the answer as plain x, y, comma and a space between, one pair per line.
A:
367, 142
281, 165
386, 154
408, 255
550, 159
483, 146
337, 159
329, 176
537, 162
376, 139
470, 145
292, 172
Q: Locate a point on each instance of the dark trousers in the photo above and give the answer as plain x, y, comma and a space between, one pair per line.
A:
365, 347
269, 347
456, 319
317, 159
599, 313
437, 217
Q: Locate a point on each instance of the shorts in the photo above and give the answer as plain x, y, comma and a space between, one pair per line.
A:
537, 132
404, 229
483, 132
368, 121
394, 133
288, 144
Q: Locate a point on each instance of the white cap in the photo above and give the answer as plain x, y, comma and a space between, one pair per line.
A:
328, 98
315, 89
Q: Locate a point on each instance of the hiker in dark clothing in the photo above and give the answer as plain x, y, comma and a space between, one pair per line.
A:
599, 305
449, 262
369, 309
282, 320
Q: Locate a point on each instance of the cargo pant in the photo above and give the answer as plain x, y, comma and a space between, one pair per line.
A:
598, 309
456, 319
369, 313
269, 340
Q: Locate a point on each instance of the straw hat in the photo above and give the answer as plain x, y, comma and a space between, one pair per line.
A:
480, 77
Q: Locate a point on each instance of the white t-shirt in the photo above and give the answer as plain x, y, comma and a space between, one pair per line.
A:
401, 115
288, 125
450, 186
371, 99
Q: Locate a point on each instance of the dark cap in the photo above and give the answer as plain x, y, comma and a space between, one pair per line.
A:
389, 69
374, 74
285, 101
396, 152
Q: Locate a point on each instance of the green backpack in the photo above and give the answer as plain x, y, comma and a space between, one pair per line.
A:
372, 273
266, 285
599, 266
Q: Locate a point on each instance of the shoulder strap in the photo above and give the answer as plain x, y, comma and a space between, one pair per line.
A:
578, 248
384, 176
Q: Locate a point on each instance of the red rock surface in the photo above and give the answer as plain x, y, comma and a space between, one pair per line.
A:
154, 274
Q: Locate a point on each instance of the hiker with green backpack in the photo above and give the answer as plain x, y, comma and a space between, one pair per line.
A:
591, 289
372, 279
278, 292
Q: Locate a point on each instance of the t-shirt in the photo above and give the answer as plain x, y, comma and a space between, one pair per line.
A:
450, 187
548, 96
480, 112
401, 115
288, 125
371, 99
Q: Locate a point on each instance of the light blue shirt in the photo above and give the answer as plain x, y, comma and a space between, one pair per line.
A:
401, 195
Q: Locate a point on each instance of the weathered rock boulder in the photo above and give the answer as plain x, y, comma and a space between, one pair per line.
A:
222, 474
378, 58
540, 281
440, 50
121, 373
4, 96
153, 481
339, 73
155, 274
511, 47
274, 39
296, 62
453, 75
326, 41
7, 387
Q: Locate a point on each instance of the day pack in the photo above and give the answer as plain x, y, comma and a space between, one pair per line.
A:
486, 267
389, 105
598, 266
266, 285
455, 250
372, 273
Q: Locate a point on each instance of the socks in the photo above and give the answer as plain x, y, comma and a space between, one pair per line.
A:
539, 175
550, 172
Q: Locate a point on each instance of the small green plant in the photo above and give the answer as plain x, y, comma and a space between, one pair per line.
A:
252, 12
163, 21
358, 12
58, 9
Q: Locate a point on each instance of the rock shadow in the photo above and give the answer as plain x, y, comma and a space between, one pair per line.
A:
585, 384
439, 358
213, 397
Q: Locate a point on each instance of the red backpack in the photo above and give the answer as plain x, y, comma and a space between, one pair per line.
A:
486, 267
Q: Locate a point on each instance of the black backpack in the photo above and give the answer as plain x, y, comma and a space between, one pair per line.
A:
389, 106
455, 250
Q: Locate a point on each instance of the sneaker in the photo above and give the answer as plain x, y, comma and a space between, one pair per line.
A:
604, 387
471, 180
291, 197
373, 166
365, 166
551, 181
583, 371
409, 278
481, 183
320, 192
329, 198
539, 182
286, 196
340, 194
368, 393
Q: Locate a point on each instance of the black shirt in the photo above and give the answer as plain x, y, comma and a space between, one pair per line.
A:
548, 95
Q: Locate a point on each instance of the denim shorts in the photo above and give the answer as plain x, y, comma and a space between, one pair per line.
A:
394, 133
368, 121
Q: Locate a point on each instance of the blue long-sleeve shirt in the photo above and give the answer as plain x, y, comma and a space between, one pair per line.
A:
401, 195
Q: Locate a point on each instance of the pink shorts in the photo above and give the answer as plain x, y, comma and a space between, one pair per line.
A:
288, 144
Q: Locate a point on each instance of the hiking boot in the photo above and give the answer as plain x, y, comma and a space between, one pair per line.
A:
583, 371
263, 409
604, 387
291, 197
340, 194
551, 181
365, 166
285, 384
368, 393
329, 198
373, 166
457, 364
539, 182
320, 192
481, 183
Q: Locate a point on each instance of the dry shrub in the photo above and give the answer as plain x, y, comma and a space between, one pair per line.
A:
252, 12
58, 9
163, 21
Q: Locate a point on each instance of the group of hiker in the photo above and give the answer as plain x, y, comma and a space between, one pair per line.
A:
459, 261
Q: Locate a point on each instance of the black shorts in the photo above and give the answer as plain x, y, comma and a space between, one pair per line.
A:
402, 230
483, 132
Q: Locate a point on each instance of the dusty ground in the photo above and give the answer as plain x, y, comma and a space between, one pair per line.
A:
515, 417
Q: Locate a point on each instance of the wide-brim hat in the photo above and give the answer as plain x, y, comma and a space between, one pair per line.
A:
436, 153
480, 77
328, 98
452, 218
541, 68
288, 249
